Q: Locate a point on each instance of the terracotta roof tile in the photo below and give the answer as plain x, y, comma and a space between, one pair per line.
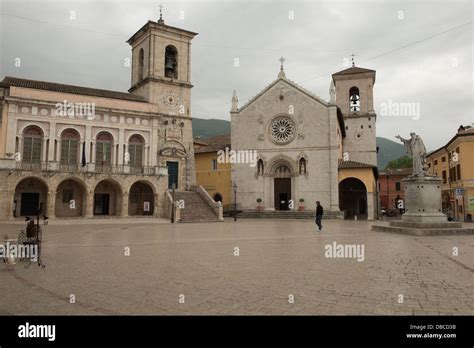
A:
58, 87
219, 142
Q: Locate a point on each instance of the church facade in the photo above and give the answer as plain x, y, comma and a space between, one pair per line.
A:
75, 151
309, 149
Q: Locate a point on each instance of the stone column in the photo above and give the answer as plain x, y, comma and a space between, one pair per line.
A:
58, 150
89, 208
44, 150
52, 131
20, 146
124, 212
93, 151
88, 139
155, 205
114, 158
121, 142
50, 209
146, 162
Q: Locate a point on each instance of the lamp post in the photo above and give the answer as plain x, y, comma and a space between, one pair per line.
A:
173, 207
234, 186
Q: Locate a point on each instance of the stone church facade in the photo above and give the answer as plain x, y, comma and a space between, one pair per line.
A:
308, 148
82, 152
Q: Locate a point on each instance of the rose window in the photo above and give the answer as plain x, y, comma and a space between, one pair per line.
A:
282, 129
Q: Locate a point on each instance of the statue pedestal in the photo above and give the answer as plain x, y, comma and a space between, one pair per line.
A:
423, 215
423, 199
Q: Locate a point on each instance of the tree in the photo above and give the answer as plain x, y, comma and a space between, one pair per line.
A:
402, 162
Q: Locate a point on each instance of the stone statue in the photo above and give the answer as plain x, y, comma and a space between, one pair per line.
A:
415, 148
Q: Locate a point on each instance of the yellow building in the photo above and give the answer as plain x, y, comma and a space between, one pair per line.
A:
215, 177
454, 163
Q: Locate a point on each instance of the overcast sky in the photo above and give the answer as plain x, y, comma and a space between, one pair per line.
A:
422, 50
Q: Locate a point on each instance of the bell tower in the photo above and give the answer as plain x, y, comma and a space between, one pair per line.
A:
161, 66
354, 97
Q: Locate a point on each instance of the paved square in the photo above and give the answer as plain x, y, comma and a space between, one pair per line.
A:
276, 259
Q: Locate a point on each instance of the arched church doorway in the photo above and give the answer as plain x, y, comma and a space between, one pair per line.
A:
282, 187
353, 198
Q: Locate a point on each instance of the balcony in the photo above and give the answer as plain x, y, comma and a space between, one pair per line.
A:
92, 168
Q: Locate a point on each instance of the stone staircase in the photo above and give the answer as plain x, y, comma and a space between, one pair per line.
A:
289, 214
196, 209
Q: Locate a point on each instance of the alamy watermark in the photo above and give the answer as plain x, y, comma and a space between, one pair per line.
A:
71, 110
400, 109
237, 156
345, 251
15, 251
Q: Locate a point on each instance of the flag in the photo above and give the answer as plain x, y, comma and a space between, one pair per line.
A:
83, 154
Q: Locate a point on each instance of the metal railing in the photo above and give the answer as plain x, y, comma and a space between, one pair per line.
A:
11, 164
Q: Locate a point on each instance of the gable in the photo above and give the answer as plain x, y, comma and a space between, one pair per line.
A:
284, 82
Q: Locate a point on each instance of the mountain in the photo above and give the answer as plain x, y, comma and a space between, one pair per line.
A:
388, 149
209, 128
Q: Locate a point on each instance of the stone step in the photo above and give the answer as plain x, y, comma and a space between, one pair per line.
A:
195, 208
423, 231
254, 214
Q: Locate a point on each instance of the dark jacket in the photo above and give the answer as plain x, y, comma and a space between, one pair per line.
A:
319, 210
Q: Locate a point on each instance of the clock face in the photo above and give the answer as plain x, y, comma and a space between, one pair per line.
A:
170, 99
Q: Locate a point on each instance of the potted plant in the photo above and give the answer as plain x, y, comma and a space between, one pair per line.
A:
301, 206
260, 207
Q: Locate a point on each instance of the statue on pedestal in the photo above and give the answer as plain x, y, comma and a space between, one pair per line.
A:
415, 148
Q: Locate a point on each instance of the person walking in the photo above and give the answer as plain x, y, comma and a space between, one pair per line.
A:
319, 215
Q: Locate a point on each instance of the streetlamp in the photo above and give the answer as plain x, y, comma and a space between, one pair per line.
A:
173, 207
234, 186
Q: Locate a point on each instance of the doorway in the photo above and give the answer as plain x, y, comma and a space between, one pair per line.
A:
101, 204
282, 191
172, 174
29, 203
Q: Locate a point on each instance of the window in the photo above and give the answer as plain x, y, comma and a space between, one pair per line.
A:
103, 150
171, 62
214, 164
436, 162
69, 147
397, 186
68, 195
141, 63
443, 159
452, 174
354, 99
458, 171
135, 150
444, 177
429, 165
32, 141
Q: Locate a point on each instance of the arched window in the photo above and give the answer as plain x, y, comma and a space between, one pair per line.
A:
32, 143
302, 166
171, 62
69, 147
354, 99
135, 149
103, 149
141, 63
